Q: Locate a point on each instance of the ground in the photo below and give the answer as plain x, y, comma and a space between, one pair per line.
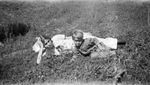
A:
21, 22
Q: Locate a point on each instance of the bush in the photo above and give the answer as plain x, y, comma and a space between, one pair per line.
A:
14, 30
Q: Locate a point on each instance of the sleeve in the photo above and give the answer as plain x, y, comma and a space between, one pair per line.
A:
94, 41
76, 51
75, 54
40, 53
100, 45
84, 52
96, 44
91, 41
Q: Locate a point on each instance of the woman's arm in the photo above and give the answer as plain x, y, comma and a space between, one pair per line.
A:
40, 52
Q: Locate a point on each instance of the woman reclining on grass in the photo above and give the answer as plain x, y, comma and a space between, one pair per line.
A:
59, 44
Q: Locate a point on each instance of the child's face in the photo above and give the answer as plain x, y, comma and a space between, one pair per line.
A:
78, 42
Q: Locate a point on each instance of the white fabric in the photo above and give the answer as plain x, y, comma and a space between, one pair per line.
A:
110, 42
38, 47
1, 44
62, 40
57, 39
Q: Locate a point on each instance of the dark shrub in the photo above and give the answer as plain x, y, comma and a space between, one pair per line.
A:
13, 30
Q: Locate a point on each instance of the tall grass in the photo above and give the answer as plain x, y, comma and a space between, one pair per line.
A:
125, 21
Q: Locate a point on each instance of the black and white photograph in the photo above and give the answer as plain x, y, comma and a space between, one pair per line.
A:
74, 42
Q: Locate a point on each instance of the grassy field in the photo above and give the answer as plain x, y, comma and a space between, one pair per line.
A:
21, 22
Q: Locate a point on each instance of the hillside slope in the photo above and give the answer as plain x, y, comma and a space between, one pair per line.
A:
126, 21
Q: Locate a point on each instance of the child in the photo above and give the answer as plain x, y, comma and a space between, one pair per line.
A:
89, 46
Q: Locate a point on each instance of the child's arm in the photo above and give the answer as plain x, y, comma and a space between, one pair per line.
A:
75, 54
100, 45
90, 41
88, 51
